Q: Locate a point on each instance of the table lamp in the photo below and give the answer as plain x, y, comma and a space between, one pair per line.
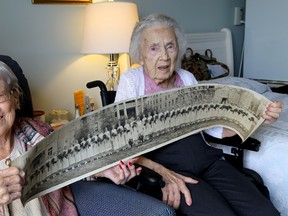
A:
107, 30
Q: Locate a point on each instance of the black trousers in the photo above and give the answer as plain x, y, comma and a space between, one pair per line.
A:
222, 190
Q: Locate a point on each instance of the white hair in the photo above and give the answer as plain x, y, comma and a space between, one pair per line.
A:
151, 21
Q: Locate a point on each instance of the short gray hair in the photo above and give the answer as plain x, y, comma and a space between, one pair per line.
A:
153, 20
7, 75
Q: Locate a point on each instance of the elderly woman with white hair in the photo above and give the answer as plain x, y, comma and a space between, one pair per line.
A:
190, 167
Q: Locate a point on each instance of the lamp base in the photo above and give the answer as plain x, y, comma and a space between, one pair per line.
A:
113, 74
111, 84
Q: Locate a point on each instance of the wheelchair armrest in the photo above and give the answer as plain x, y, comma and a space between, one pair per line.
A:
250, 143
148, 182
150, 177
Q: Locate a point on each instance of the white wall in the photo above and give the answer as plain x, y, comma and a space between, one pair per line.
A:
46, 41
266, 44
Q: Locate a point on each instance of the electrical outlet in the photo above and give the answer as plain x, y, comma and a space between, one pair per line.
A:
238, 16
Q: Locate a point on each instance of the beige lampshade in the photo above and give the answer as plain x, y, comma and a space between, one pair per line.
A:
108, 27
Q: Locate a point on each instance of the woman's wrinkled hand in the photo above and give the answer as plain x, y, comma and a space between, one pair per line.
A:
272, 112
11, 182
175, 184
121, 173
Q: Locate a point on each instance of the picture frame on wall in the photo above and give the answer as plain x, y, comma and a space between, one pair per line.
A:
61, 1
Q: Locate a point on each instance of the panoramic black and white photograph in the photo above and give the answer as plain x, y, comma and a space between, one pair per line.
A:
98, 140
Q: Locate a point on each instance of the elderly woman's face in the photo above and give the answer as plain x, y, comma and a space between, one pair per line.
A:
159, 52
7, 108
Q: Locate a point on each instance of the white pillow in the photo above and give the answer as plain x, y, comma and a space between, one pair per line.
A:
242, 82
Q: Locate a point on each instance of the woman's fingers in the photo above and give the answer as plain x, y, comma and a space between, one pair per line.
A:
187, 195
11, 171
165, 193
171, 195
5, 199
189, 179
126, 171
273, 112
122, 172
176, 194
119, 179
184, 189
175, 185
11, 181
15, 195
134, 160
177, 199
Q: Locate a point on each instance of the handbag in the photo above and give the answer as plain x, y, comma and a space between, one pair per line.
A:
203, 67
195, 64
216, 69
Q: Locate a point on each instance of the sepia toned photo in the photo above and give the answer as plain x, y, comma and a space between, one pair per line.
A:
98, 140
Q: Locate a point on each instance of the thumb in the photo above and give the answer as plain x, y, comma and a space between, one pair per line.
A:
190, 180
134, 160
138, 170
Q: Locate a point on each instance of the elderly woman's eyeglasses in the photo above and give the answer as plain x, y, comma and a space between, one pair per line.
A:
5, 95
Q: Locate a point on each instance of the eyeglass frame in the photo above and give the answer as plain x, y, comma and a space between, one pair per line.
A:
6, 96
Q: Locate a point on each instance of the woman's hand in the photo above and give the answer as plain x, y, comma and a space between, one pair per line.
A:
272, 112
175, 184
270, 115
11, 182
121, 173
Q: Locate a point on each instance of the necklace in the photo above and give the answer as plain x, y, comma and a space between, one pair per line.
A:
8, 162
